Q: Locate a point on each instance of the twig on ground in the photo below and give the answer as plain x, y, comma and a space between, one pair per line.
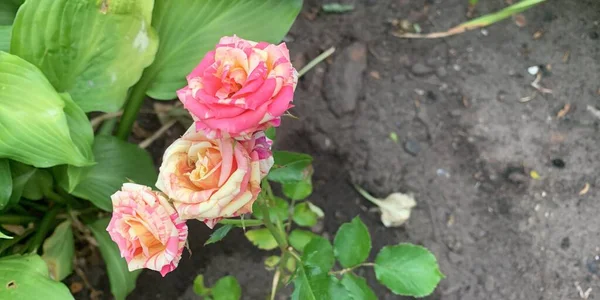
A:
101, 118
316, 61
147, 142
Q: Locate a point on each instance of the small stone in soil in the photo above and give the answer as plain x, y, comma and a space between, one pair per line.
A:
565, 243
412, 147
593, 266
559, 163
441, 72
421, 69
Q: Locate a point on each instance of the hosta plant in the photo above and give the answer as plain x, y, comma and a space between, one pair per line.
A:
67, 66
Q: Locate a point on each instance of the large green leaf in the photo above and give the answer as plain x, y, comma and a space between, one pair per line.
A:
21, 173
6, 183
93, 49
27, 278
37, 186
117, 162
5, 32
122, 282
190, 28
39, 126
407, 270
59, 251
8, 10
352, 243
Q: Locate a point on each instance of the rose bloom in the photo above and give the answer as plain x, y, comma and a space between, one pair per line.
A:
147, 229
210, 179
239, 88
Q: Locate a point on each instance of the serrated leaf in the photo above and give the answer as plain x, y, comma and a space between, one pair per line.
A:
26, 277
122, 282
227, 288
300, 238
318, 256
357, 287
352, 243
299, 190
94, 50
272, 261
31, 112
116, 162
278, 209
318, 287
59, 251
290, 167
188, 29
6, 183
304, 216
407, 270
199, 288
219, 234
262, 238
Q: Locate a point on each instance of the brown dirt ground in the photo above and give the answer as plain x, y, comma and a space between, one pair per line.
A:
454, 102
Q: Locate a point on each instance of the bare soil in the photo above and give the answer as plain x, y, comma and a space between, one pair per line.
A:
467, 144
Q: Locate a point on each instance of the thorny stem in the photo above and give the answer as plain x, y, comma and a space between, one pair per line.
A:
281, 241
346, 270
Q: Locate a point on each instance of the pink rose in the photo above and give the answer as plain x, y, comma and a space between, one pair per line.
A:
240, 87
147, 229
210, 179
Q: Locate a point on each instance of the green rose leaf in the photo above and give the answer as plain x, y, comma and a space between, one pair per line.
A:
407, 270
272, 261
352, 243
290, 167
227, 288
6, 184
304, 216
94, 50
262, 238
5, 33
318, 256
187, 29
218, 234
59, 251
270, 132
199, 288
357, 287
122, 282
278, 209
299, 190
26, 277
40, 127
117, 162
300, 238
4, 236
318, 287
